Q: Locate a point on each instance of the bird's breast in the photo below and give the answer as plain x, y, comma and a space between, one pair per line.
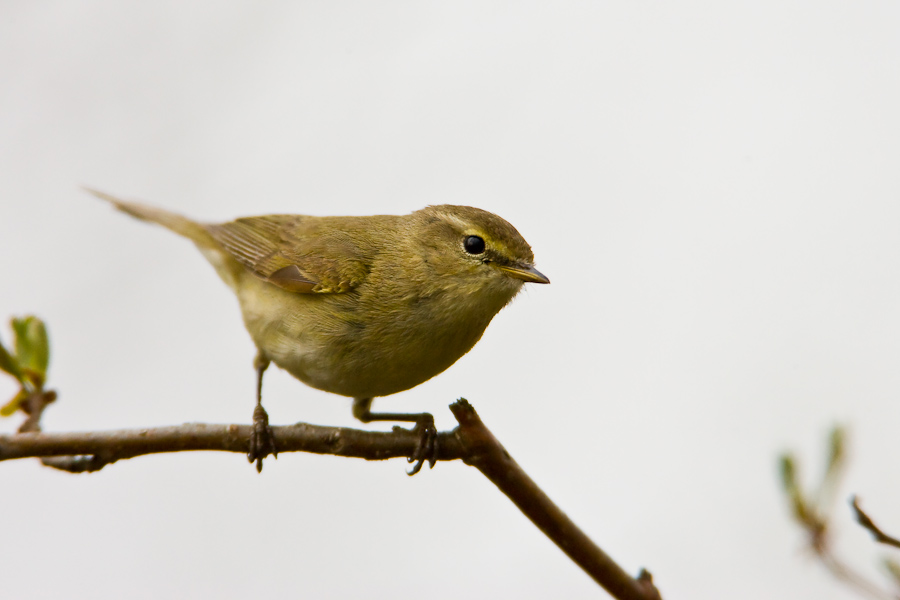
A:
359, 346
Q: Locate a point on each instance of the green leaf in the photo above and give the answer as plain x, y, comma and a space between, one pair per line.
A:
9, 364
799, 505
32, 346
836, 451
788, 473
13, 405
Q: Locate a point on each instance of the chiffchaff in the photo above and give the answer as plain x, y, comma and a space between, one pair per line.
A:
361, 306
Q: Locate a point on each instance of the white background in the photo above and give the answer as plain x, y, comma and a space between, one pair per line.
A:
712, 187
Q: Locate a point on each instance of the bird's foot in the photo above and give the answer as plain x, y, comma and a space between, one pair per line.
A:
262, 440
427, 448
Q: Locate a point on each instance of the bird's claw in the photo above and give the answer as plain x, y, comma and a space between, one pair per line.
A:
262, 440
427, 448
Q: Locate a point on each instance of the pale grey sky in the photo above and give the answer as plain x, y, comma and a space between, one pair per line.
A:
711, 187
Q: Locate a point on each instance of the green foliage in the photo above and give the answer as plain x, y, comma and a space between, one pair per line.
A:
32, 348
13, 405
9, 364
836, 450
28, 363
799, 504
813, 510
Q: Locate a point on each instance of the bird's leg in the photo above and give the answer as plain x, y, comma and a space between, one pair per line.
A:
427, 449
262, 441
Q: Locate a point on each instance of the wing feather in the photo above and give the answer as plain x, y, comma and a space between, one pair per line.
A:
293, 252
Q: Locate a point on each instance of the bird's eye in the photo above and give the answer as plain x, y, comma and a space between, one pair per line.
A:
473, 244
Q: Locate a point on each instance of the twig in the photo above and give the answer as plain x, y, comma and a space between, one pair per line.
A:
864, 520
815, 516
485, 453
471, 441
107, 447
851, 577
34, 406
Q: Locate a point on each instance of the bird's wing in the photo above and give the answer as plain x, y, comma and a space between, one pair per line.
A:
294, 252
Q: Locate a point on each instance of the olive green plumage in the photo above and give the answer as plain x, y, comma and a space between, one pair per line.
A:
363, 306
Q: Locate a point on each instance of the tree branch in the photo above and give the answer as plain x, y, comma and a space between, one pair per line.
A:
485, 453
471, 441
813, 512
864, 520
107, 447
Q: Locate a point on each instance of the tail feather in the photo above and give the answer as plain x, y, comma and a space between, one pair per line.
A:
230, 270
179, 224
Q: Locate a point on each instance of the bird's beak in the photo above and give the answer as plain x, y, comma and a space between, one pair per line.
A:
524, 272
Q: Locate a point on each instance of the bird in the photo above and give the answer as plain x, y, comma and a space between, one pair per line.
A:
360, 306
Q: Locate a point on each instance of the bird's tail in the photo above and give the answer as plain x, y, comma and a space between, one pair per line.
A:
179, 224
226, 266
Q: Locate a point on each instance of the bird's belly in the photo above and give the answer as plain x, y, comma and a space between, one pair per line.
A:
350, 358
352, 367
